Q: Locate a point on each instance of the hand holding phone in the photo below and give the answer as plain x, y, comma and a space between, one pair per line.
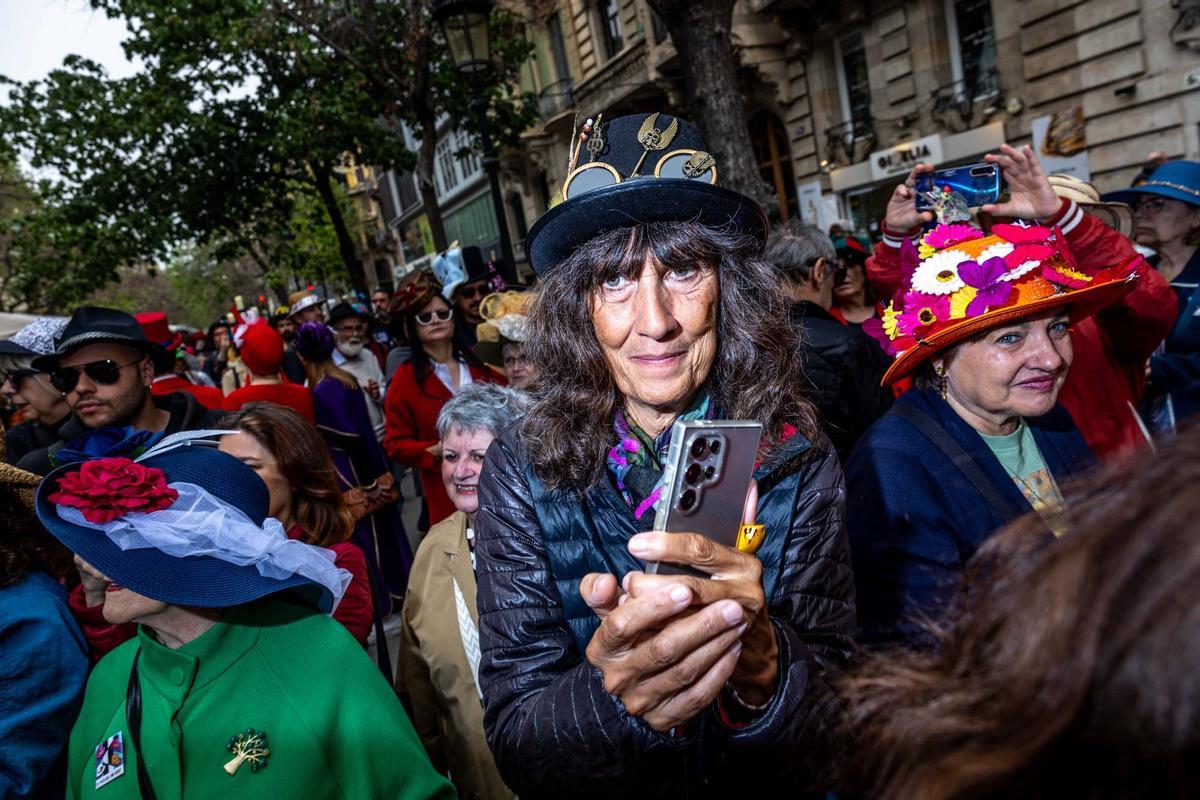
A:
972, 186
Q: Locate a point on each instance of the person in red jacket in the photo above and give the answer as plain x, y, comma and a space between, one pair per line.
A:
1108, 373
166, 379
262, 353
288, 454
420, 387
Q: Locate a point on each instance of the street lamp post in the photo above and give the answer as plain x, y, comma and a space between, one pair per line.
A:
466, 25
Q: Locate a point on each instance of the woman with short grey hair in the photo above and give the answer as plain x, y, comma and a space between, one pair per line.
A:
439, 652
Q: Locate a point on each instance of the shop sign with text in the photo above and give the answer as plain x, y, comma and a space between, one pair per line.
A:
901, 158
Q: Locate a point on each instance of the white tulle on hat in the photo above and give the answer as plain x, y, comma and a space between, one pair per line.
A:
200, 524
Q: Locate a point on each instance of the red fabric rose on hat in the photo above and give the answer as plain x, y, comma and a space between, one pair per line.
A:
105, 489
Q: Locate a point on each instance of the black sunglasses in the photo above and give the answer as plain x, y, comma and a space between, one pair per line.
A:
105, 373
17, 377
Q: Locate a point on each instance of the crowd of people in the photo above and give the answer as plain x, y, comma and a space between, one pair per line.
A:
974, 479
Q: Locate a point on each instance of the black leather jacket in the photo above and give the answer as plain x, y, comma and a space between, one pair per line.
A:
553, 728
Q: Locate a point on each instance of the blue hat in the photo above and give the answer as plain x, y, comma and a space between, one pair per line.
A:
1177, 180
200, 581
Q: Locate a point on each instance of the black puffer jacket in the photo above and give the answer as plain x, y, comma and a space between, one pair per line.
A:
844, 367
554, 729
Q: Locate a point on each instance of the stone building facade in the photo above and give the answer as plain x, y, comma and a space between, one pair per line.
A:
839, 108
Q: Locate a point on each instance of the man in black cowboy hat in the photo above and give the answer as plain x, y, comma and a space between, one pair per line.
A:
104, 366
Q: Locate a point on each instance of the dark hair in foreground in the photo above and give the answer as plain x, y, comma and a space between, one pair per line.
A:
1073, 670
25, 545
756, 374
304, 461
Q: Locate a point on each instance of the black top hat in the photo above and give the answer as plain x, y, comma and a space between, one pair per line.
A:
95, 325
633, 170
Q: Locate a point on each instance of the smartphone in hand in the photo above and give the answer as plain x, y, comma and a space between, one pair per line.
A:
710, 464
976, 184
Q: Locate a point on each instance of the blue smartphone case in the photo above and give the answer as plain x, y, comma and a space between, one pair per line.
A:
976, 184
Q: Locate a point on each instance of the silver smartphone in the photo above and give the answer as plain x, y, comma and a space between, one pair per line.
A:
709, 467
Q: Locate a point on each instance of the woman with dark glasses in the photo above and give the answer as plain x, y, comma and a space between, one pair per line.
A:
438, 369
30, 392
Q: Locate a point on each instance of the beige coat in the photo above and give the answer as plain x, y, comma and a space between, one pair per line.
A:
447, 711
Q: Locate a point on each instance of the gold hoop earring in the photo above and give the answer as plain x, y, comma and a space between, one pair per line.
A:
942, 381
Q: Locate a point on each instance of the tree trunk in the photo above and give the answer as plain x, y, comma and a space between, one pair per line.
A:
702, 33
425, 177
358, 278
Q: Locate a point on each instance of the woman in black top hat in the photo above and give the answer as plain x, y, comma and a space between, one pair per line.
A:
654, 305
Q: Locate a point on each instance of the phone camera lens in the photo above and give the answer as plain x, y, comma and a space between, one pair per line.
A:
693, 474
715, 446
688, 500
709, 472
699, 448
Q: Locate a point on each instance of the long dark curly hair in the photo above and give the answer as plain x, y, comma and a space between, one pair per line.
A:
756, 374
25, 545
1072, 669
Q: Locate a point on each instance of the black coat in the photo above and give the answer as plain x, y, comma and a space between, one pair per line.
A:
186, 415
555, 731
30, 436
844, 367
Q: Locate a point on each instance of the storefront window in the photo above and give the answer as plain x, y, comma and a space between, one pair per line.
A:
854, 82
973, 36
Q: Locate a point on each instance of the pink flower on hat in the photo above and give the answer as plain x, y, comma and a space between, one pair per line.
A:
922, 310
105, 489
949, 234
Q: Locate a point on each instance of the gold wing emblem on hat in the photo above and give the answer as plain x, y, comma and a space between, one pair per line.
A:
651, 138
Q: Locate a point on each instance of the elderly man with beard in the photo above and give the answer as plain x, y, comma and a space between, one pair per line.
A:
351, 325
104, 366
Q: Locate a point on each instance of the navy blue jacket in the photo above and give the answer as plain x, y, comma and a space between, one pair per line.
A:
554, 729
915, 519
1177, 370
43, 667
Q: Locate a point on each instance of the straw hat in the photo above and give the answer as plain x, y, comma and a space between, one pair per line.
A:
962, 282
21, 483
1117, 216
505, 322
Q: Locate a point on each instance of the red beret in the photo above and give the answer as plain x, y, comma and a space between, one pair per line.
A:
262, 349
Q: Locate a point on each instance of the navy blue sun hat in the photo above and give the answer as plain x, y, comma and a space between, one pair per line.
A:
1177, 180
633, 170
199, 581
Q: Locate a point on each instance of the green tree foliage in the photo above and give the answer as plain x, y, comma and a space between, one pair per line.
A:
228, 138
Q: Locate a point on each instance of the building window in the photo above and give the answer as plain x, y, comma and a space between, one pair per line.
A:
558, 50
659, 27
854, 84
469, 162
407, 186
516, 212
972, 47
610, 27
774, 157
447, 172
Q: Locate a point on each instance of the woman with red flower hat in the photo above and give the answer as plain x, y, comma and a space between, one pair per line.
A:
237, 683
982, 321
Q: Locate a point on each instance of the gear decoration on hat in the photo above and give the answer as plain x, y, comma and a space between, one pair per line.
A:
651, 138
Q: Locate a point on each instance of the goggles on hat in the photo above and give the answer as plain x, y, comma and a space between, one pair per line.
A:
105, 373
430, 317
683, 164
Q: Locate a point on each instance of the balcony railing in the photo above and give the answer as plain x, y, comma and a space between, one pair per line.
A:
556, 98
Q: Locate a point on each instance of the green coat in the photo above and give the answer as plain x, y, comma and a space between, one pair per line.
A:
334, 727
